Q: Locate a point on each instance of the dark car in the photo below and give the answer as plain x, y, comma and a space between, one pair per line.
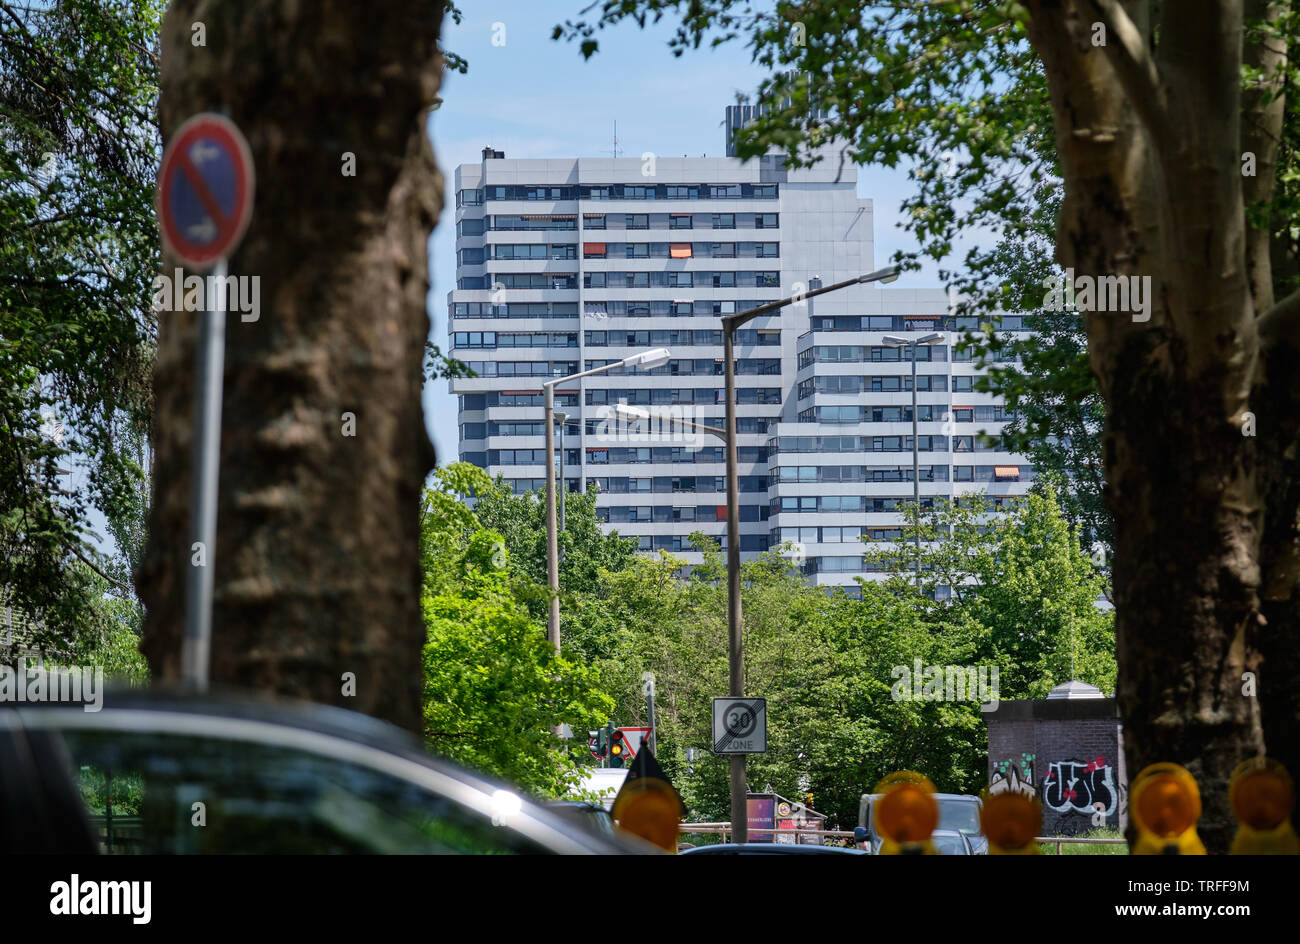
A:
769, 848
169, 773
957, 811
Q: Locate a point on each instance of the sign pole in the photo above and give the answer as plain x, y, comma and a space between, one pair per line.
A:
210, 363
650, 711
205, 201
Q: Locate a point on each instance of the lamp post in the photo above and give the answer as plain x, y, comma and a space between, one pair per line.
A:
636, 413
561, 418
893, 340
735, 653
646, 360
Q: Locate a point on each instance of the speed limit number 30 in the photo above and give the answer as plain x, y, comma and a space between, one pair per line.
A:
739, 725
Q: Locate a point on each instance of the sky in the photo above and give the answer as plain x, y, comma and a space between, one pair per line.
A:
534, 97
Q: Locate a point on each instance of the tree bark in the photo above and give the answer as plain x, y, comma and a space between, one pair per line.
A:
1150, 144
317, 556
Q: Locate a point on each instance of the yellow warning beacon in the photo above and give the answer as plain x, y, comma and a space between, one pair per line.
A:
1262, 797
906, 814
1165, 805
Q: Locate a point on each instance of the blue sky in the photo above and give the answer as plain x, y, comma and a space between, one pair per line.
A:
534, 97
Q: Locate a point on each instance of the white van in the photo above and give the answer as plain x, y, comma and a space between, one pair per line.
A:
606, 781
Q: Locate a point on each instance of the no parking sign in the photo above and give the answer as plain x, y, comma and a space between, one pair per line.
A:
205, 190
205, 200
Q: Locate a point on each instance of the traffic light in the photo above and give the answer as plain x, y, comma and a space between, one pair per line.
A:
617, 748
1165, 805
1261, 796
599, 743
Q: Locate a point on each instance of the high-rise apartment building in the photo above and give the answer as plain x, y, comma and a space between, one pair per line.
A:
566, 265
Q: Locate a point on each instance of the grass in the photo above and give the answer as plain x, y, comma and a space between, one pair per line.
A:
1070, 848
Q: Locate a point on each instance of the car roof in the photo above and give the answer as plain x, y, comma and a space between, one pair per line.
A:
308, 726
240, 703
769, 848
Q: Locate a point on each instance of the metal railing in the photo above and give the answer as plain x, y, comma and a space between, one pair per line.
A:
724, 829
1080, 840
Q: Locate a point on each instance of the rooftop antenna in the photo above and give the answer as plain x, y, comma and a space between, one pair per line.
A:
617, 149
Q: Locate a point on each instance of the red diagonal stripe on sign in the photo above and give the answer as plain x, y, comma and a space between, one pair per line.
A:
201, 188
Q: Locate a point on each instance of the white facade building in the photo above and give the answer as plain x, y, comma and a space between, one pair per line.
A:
564, 265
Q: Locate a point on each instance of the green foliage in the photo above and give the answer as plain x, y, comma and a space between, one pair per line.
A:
440, 366
78, 95
115, 644
1020, 583
585, 549
828, 664
493, 685
951, 91
125, 790
1280, 214
824, 663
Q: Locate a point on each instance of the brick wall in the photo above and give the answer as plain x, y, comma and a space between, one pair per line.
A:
1069, 753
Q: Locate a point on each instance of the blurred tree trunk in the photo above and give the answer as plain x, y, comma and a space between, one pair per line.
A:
317, 556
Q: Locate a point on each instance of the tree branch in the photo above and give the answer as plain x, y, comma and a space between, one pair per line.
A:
1135, 67
81, 557
1280, 321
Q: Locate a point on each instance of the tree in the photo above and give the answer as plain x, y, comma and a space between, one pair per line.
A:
1168, 120
1021, 585
824, 663
323, 449
585, 547
78, 86
493, 685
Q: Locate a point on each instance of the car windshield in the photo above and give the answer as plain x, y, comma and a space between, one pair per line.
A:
961, 815
949, 845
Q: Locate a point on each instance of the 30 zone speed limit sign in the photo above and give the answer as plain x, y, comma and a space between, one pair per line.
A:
739, 725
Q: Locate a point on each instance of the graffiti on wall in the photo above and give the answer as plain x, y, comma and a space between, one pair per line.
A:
1084, 787
1014, 776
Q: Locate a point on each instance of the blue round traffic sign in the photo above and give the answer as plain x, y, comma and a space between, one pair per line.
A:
205, 190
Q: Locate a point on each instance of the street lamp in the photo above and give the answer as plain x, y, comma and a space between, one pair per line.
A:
646, 360
561, 418
893, 340
735, 651
636, 413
